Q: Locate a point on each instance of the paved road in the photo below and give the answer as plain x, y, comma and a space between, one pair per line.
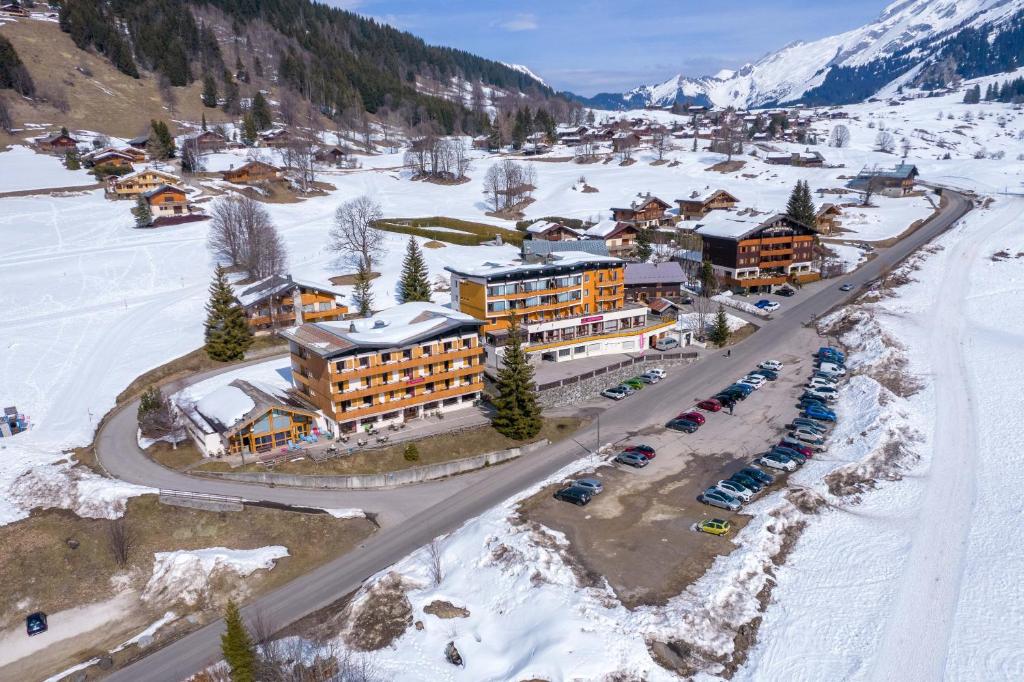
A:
469, 496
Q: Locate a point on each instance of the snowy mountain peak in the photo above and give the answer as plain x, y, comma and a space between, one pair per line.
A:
523, 69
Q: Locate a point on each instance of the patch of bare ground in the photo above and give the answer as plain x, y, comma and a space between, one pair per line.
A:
445, 610
688, 660
435, 180
180, 458
432, 244
659, 162
515, 212
273, 192
627, 162
589, 189
727, 166
674, 164
349, 280
888, 463
381, 617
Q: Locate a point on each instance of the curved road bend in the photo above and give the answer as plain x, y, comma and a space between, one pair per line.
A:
436, 508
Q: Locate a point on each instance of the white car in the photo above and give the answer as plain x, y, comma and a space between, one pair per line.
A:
822, 394
615, 393
770, 307
830, 379
808, 436
820, 382
832, 369
753, 380
773, 365
776, 462
734, 489
658, 372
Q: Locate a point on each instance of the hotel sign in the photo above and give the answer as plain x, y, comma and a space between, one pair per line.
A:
596, 318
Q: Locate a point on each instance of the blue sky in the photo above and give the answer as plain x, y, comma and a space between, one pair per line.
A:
590, 46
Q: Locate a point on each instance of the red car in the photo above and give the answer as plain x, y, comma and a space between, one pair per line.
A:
693, 416
711, 405
802, 449
645, 450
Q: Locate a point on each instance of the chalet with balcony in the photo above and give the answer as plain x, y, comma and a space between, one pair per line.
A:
896, 182
619, 237
208, 141
648, 281
552, 232
270, 303
649, 211
403, 363
58, 143
826, 220
166, 201
623, 141
699, 204
111, 160
251, 173
800, 159
139, 182
756, 254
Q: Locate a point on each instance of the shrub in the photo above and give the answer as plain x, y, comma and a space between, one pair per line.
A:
411, 454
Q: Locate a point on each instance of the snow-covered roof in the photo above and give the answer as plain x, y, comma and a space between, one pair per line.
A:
274, 285
604, 229
398, 326
227, 407
729, 225
557, 261
150, 171
544, 226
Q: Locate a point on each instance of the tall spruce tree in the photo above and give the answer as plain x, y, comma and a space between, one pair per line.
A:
71, 160
720, 329
227, 330
708, 282
237, 646
143, 216
204, 121
516, 412
249, 129
414, 283
209, 95
161, 143
362, 295
800, 207
260, 112
643, 245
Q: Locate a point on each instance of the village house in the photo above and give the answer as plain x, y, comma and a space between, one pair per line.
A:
208, 141
648, 281
698, 205
14, 9
58, 143
402, 363
569, 305
335, 156
140, 141
897, 182
248, 418
109, 159
552, 232
649, 212
270, 303
277, 137
251, 172
539, 250
751, 254
800, 159
826, 220
624, 141
141, 181
484, 143
619, 237
166, 201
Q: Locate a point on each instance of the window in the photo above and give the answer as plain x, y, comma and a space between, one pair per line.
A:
497, 306
324, 306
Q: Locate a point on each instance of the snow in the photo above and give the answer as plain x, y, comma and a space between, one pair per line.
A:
21, 168
183, 575
523, 69
148, 632
63, 486
227, 405
343, 513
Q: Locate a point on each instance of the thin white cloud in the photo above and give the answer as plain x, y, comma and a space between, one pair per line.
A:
520, 22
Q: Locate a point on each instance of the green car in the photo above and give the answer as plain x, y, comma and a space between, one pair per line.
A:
636, 383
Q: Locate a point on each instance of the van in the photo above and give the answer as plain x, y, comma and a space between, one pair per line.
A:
666, 343
832, 369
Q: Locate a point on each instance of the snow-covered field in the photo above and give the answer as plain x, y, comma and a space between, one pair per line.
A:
25, 169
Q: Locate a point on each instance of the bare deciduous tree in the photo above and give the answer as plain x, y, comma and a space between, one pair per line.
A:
434, 564
508, 183
298, 156
586, 150
120, 540
729, 134
163, 421
661, 142
242, 233
354, 234
885, 142
840, 137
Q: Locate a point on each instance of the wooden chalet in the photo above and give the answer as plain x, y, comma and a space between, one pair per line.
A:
251, 172
625, 140
140, 182
827, 218
619, 237
650, 212
58, 143
110, 159
140, 141
270, 303
697, 205
209, 141
14, 9
799, 159
334, 156
166, 201
897, 182
647, 281
278, 137
552, 232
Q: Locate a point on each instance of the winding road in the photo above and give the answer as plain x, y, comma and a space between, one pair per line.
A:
413, 515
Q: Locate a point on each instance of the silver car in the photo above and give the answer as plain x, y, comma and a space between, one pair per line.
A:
592, 484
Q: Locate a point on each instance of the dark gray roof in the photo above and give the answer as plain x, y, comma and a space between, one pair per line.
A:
669, 272
542, 247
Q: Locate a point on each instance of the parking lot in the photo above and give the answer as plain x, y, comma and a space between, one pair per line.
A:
638, 533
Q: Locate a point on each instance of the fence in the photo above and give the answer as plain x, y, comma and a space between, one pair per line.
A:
181, 498
569, 381
391, 479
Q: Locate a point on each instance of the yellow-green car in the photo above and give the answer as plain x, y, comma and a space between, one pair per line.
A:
715, 526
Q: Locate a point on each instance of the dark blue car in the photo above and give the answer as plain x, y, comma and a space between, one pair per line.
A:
35, 623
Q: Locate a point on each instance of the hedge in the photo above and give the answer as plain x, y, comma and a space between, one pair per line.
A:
475, 233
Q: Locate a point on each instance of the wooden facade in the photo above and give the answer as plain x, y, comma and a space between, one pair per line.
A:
167, 201
251, 172
270, 303
695, 208
647, 213
140, 182
765, 256
827, 218
59, 143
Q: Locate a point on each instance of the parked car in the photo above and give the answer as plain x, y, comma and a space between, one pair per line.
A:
770, 306
832, 369
641, 449
820, 382
35, 623
693, 417
658, 372
831, 350
831, 378
802, 449
747, 389
820, 394
762, 303
846, 287
761, 476
725, 399
747, 482
714, 526
819, 413
766, 373
785, 291
717, 498
789, 439
735, 489
593, 485
773, 365
615, 393
666, 343
636, 383
803, 431
738, 392
812, 401
683, 425
804, 423
753, 380
578, 495
797, 457
633, 459
650, 378
777, 461
711, 405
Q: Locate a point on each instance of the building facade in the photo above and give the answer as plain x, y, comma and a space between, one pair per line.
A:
648, 281
649, 212
697, 206
758, 255
166, 201
403, 363
569, 306
142, 181
270, 303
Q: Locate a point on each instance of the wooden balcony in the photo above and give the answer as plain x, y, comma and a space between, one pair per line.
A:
401, 365
359, 412
416, 382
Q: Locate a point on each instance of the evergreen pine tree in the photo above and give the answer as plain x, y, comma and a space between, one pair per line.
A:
260, 112
149, 401
209, 95
800, 206
720, 329
248, 130
414, 283
143, 216
72, 160
237, 646
227, 329
362, 296
63, 130
643, 245
707, 279
516, 413
161, 142
204, 121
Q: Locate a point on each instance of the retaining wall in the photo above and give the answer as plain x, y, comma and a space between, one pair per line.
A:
392, 479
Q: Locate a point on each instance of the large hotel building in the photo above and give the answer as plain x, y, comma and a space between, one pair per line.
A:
402, 363
570, 305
